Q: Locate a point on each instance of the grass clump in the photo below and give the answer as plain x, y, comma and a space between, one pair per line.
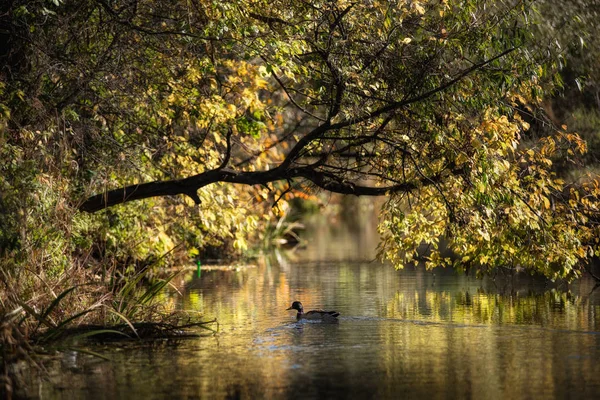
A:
58, 317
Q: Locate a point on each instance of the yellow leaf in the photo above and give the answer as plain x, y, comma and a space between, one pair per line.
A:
484, 234
260, 83
546, 202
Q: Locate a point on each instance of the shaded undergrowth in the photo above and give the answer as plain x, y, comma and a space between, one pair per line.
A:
120, 308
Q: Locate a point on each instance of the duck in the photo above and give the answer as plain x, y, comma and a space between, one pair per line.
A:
315, 315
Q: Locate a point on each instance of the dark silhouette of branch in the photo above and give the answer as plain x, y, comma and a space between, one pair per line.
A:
189, 186
328, 126
127, 22
268, 20
399, 104
227, 149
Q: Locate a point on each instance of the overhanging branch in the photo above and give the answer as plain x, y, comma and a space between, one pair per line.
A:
328, 126
286, 170
190, 186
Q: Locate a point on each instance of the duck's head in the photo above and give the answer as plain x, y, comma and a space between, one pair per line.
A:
296, 306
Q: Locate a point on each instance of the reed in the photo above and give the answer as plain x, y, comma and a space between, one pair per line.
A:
128, 308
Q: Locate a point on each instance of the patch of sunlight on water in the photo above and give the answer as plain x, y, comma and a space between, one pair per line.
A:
402, 334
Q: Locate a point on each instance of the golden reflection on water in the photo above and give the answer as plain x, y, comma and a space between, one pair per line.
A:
429, 334
410, 333
402, 334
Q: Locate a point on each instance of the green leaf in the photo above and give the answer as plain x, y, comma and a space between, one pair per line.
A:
56, 302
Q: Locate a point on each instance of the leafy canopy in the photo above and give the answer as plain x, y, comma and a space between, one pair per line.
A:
427, 102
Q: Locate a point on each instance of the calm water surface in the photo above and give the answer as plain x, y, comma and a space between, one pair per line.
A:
402, 334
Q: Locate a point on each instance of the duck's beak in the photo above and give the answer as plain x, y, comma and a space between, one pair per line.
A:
288, 308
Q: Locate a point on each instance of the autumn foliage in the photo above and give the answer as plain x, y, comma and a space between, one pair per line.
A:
130, 127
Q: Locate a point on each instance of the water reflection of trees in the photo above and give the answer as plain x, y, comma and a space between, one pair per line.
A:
566, 308
415, 294
416, 334
428, 332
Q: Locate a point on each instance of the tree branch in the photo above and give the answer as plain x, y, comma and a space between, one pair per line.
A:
398, 104
328, 126
189, 186
298, 106
227, 150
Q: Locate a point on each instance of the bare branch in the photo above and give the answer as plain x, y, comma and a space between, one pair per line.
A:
286, 191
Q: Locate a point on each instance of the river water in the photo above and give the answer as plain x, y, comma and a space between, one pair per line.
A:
412, 334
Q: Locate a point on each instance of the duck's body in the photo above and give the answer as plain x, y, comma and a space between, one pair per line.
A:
314, 315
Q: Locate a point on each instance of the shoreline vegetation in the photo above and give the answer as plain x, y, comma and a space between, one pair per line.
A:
133, 310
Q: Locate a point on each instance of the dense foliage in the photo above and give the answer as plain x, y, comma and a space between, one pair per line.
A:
241, 105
